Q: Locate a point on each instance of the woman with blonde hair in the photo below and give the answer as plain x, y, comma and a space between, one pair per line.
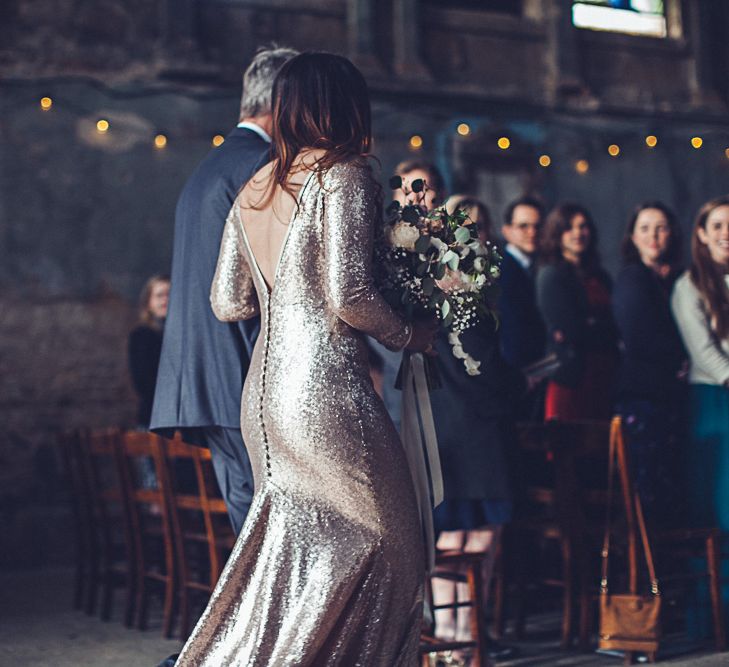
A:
145, 343
700, 304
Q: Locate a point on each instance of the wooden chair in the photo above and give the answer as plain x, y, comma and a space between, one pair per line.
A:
151, 524
539, 526
460, 567
200, 524
70, 454
111, 562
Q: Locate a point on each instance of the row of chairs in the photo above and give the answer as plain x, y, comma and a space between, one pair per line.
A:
562, 509
148, 515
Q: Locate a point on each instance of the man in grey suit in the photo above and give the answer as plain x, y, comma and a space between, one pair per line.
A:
204, 361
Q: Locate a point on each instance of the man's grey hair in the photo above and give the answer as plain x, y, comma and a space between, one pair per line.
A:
258, 80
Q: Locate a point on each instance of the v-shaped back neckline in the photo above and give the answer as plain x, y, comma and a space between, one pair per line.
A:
270, 288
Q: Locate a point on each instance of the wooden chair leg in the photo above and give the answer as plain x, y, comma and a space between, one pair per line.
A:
478, 632
169, 608
107, 593
717, 612
129, 600
92, 585
499, 593
141, 603
567, 596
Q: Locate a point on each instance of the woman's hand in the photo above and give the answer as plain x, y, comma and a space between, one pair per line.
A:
423, 336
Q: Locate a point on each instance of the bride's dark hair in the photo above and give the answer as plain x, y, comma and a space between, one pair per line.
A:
320, 100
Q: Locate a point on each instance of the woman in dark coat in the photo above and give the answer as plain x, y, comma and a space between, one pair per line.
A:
145, 344
651, 388
475, 428
573, 293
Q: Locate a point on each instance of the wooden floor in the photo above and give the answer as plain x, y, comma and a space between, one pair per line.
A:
39, 629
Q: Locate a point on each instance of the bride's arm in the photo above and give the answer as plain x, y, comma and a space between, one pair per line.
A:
350, 211
233, 294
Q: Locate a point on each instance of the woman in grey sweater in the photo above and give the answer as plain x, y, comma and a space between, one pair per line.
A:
700, 304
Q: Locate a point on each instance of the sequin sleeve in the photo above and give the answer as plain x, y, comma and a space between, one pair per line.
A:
233, 294
350, 211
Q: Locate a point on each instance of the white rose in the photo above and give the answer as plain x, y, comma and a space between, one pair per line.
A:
479, 264
495, 271
403, 235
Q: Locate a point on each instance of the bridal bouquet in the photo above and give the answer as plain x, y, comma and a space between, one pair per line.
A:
433, 263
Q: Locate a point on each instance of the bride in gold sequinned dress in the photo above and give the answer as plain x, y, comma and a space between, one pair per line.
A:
328, 569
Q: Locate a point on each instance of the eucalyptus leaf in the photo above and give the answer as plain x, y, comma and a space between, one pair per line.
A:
421, 269
395, 182
445, 308
463, 235
428, 285
439, 271
448, 256
417, 185
453, 262
394, 207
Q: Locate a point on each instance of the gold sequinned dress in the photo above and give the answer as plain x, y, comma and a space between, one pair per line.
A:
328, 569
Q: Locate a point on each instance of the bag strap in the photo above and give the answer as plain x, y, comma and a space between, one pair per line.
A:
615, 434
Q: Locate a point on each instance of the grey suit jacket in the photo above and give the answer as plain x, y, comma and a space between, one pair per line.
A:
204, 361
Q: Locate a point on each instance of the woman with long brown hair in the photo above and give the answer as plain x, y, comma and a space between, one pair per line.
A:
573, 293
328, 569
700, 305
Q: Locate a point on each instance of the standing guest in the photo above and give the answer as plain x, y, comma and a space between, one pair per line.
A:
474, 421
204, 361
385, 363
522, 334
700, 304
650, 387
145, 344
573, 293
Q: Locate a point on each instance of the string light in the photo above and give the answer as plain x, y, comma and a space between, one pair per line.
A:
416, 142
102, 125
697, 142
46, 103
545, 160
651, 141
464, 129
614, 150
218, 139
160, 141
726, 152
582, 166
503, 143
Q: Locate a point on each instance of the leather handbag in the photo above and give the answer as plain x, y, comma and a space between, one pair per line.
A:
628, 621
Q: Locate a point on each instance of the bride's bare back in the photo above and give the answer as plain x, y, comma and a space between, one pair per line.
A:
266, 226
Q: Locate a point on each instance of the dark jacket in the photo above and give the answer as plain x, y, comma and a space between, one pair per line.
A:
469, 412
204, 361
144, 346
652, 353
584, 328
522, 331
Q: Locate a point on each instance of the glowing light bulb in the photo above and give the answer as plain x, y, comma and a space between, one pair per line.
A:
464, 129
102, 125
614, 150
503, 143
545, 160
651, 141
46, 103
726, 152
218, 139
582, 166
697, 142
160, 141
416, 142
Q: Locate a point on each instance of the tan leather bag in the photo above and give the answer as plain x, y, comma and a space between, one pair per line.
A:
628, 621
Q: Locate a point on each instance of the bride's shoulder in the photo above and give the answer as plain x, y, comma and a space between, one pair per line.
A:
355, 170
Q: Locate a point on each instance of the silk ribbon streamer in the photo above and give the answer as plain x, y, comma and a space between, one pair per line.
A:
419, 440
